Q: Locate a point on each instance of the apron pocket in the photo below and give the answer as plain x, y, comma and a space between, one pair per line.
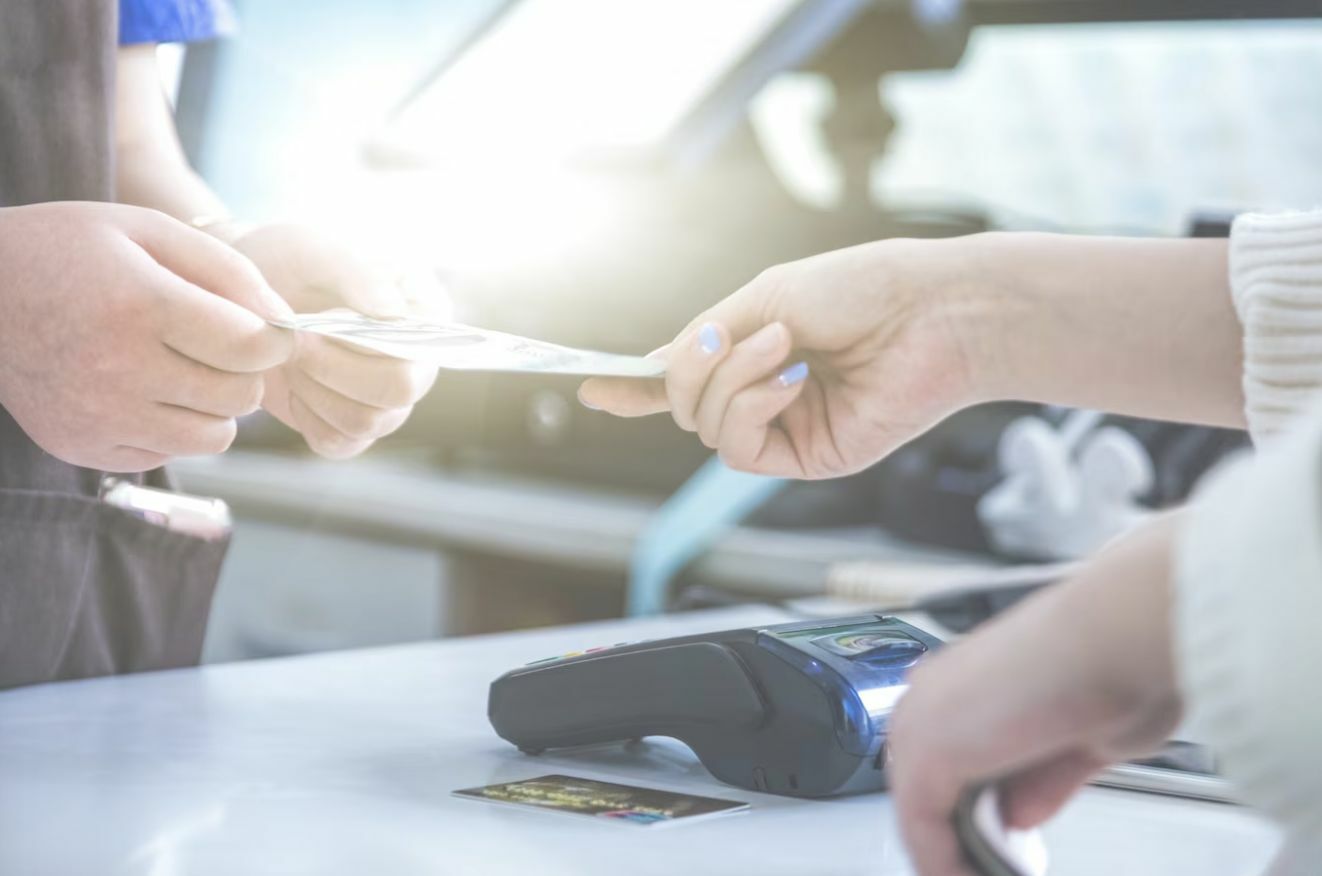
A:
45, 550
153, 591
88, 589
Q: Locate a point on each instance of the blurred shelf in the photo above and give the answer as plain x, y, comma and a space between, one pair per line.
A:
410, 503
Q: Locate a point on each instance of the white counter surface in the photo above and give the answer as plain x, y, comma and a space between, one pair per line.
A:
344, 764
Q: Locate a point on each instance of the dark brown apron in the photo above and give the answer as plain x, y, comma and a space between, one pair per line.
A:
85, 588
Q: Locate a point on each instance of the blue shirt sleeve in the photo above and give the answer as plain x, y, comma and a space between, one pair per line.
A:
174, 21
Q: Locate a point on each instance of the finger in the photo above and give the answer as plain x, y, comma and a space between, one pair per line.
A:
777, 458
926, 823
275, 399
1031, 797
350, 418
209, 390
754, 360
207, 328
379, 381
749, 438
324, 439
744, 311
693, 356
625, 396
212, 331
176, 431
695, 350
926, 783
207, 264
807, 423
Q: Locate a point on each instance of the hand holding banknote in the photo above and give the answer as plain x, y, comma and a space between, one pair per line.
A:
340, 397
816, 368
128, 337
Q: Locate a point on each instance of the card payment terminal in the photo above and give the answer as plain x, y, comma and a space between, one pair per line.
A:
799, 709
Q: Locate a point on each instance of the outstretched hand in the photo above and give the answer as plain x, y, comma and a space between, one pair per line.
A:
816, 368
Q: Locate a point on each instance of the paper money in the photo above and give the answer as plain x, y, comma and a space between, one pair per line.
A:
465, 348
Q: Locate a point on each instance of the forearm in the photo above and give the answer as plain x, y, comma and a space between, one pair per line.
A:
151, 177
151, 168
1140, 327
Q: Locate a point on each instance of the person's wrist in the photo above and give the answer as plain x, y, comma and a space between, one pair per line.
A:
962, 290
1126, 591
1003, 318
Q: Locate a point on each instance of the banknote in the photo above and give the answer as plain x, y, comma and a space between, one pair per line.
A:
466, 348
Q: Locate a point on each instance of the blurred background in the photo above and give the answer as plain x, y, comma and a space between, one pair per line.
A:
596, 172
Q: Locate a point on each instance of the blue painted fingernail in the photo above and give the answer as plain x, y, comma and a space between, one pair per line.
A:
796, 373
709, 339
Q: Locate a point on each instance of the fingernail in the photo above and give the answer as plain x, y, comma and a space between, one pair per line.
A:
709, 339
796, 373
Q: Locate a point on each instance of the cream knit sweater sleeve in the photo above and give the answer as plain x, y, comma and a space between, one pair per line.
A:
1249, 565
1276, 279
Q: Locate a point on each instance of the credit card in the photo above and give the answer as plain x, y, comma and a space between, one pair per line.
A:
605, 800
462, 347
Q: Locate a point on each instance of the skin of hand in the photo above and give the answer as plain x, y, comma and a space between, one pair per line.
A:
816, 368
821, 367
341, 398
1039, 699
128, 337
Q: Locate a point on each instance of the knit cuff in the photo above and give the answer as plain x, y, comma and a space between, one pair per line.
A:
1248, 614
1276, 280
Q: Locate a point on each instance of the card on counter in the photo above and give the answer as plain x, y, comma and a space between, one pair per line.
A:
607, 800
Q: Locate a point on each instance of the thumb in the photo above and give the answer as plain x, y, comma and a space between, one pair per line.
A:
1032, 797
352, 281
209, 264
743, 312
426, 296
375, 296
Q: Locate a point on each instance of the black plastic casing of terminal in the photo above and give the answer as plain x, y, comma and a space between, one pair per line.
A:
753, 719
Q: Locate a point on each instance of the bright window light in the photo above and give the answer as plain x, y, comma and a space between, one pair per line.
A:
557, 79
